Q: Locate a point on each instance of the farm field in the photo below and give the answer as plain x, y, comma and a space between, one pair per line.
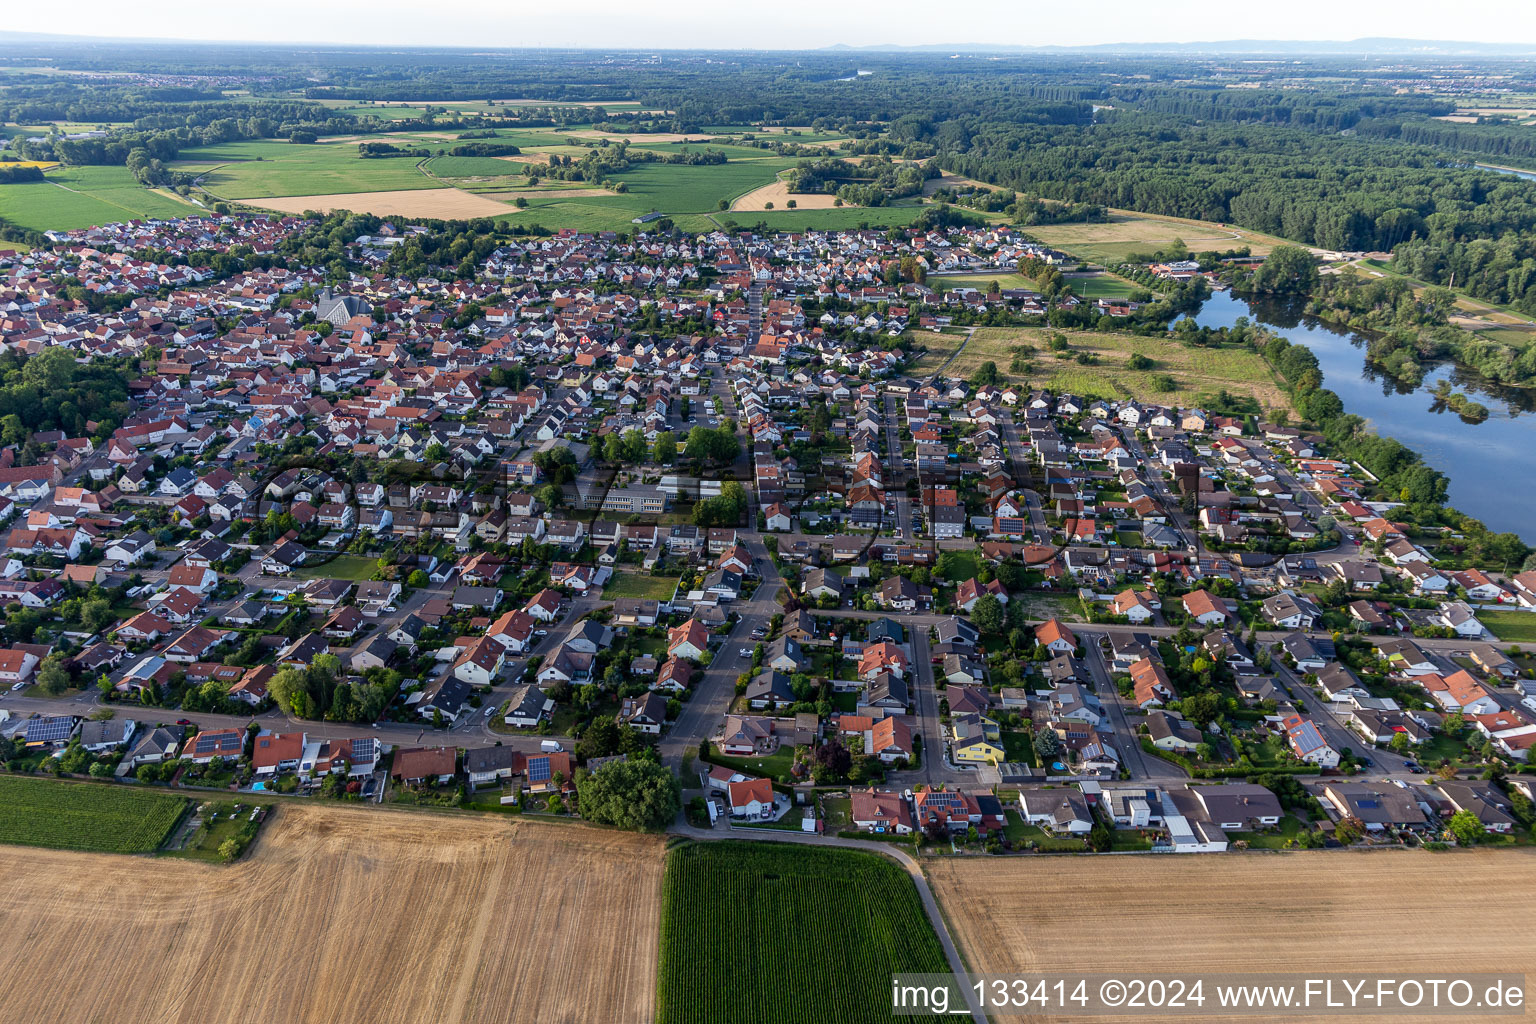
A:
780, 196
1126, 232
444, 203
772, 932
80, 816
82, 197
265, 169
1237, 913
843, 218
454, 890
1195, 371
672, 189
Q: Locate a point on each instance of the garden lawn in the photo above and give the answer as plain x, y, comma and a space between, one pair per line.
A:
1019, 833
342, 567
1510, 626
639, 584
772, 766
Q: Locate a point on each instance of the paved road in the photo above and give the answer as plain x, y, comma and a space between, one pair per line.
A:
701, 716
900, 856
1127, 742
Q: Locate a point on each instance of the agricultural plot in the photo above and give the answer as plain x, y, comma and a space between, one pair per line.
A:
440, 203
671, 189
266, 169
776, 933
463, 893
82, 197
69, 816
1128, 232
1237, 913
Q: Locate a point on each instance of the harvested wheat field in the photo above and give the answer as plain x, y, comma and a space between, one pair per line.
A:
1388, 911
779, 195
341, 914
442, 203
635, 138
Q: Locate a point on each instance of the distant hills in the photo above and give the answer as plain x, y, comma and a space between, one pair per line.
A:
1278, 47
1373, 47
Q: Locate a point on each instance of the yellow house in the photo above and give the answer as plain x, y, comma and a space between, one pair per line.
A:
977, 750
973, 739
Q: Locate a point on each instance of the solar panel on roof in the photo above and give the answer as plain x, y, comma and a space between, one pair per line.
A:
538, 770
1368, 804
45, 730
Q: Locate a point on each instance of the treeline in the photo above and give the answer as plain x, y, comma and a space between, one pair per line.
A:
1498, 141
51, 391
11, 173
875, 182
600, 163
1318, 110
485, 149
1397, 467
379, 150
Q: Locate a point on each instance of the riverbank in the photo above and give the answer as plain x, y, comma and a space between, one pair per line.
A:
1476, 458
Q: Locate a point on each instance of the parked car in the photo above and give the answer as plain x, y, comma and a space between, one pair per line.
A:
550, 746
183, 721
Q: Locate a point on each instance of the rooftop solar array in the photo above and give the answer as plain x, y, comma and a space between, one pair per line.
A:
538, 769
50, 730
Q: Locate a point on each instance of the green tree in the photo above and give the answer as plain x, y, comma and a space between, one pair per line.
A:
642, 796
1466, 828
987, 614
665, 451
1288, 270
53, 678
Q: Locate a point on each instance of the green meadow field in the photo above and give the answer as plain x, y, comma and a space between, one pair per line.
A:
258, 170
82, 197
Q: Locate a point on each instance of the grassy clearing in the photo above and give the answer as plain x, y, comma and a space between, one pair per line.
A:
642, 585
982, 282
101, 818
1127, 231
749, 930
82, 197
1510, 626
342, 567
1195, 371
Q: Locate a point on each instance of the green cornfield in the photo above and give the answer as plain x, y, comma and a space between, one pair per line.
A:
778, 933
102, 818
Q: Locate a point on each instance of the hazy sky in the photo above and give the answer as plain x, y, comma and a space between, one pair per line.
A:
777, 24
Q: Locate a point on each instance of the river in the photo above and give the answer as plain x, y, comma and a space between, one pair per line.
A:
1490, 464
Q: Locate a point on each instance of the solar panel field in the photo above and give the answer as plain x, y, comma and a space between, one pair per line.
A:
103, 818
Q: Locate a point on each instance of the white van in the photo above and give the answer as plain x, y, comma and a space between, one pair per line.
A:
550, 746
